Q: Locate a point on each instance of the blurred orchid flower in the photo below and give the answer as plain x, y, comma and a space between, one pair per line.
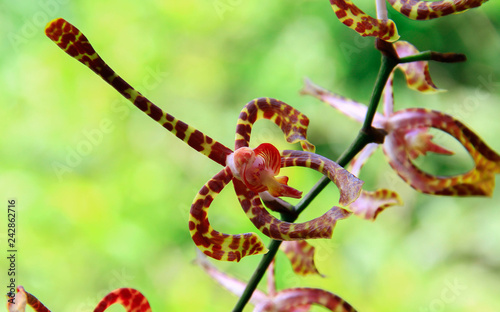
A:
131, 299
287, 300
408, 137
253, 171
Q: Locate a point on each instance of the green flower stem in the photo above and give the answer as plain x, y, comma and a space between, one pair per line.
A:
366, 135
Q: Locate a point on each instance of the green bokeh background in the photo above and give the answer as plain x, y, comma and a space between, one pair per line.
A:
118, 216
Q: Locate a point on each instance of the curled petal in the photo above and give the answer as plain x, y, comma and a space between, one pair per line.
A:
351, 16
426, 10
370, 204
348, 107
18, 304
218, 245
478, 181
292, 122
321, 227
301, 255
228, 282
132, 300
349, 186
416, 73
292, 298
73, 42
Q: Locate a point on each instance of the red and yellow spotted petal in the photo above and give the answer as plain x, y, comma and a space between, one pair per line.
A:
321, 227
292, 122
416, 73
370, 204
132, 300
419, 142
74, 43
290, 299
301, 256
349, 185
230, 283
18, 304
354, 18
426, 10
348, 107
214, 244
478, 181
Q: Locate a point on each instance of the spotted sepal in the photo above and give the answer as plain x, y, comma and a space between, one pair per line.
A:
478, 181
132, 300
426, 10
417, 73
370, 203
73, 42
22, 297
292, 122
353, 17
214, 244
321, 227
348, 184
301, 256
295, 299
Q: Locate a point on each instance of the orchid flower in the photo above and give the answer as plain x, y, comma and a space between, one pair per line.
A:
407, 137
253, 171
385, 29
131, 299
287, 300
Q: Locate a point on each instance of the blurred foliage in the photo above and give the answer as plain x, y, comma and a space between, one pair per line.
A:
118, 216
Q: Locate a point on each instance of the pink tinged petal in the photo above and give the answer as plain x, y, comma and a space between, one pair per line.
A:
132, 300
228, 282
301, 256
387, 99
350, 108
321, 227
21, 298
416, 73
426, 10
349, 186
214, 244
357, 162
271, 280
257, 168
292, 122
419, 142
351, 16
478, 181
370, 204
289, 299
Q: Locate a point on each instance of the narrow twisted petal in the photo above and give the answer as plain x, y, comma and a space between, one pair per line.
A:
478, 181
321, 227
369, 204
348, 107
349, 185
426, 10
292, 122
301, 256
230, 283
74, 43
132, 300
21, 298
290, 299
416, 73
214, 244
354, 18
